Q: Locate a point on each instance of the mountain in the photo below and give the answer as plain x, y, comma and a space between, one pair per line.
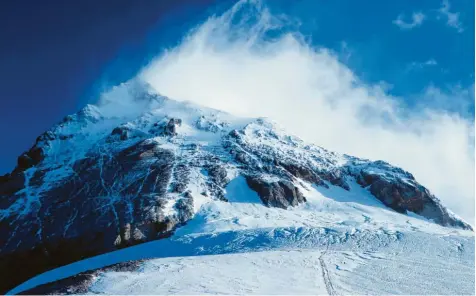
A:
139, 167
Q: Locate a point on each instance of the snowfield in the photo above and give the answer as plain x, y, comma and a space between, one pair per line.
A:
292, 272
339, 242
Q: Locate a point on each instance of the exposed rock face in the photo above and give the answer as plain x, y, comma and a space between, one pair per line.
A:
166, 127
122, 131
279, 194
404, 195
36, 154
9, 185
95, 183
171, 128
111, 201
217, 180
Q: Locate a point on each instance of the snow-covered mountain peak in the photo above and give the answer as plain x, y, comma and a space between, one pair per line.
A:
138, 166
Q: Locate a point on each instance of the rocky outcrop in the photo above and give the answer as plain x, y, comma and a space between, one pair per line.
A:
217, 179
399, 190
9, 185
124, 133
337, 178
171, 128
166, 127
279, 194
36, 153
112, 200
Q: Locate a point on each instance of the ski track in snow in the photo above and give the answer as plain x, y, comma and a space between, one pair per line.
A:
325, 275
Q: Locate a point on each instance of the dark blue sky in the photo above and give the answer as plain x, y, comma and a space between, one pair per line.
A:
55, 53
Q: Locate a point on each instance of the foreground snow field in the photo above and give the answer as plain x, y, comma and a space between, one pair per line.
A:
348, 244
413, 264
292, 272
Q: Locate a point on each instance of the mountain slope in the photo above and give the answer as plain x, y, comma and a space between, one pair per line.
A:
128, 171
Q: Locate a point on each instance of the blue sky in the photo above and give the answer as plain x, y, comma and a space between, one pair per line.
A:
372, 43
56, 57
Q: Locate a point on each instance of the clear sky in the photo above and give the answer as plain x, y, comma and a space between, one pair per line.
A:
391, 80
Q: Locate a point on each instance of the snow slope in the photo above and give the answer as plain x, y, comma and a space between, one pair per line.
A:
292, 272
326, 246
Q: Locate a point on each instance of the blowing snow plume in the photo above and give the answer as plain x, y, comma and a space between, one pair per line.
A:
251, 63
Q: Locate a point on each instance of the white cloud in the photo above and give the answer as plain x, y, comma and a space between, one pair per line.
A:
457, 100
231, 63
417, 20
430, 62
421, 65
452, 18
